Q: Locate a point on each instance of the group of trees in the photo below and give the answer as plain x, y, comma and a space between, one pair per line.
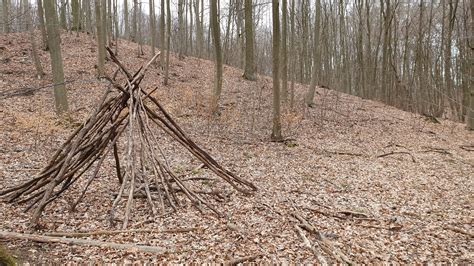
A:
415, 55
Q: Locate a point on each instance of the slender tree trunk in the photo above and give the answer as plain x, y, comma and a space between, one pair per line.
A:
162, 34
470, 116
276, 130
249, 72
216, 36
99, 15
63, 14
109, 23
125, 19
75, 12
181, 30
6, 17
284, 51
152, 26
34, 50
447, 59
60, 96
316, 56
40, 10
199, 30
292, 54
134, 20
168, 41
88, 12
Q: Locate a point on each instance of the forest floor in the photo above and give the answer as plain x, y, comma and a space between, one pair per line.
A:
380, 184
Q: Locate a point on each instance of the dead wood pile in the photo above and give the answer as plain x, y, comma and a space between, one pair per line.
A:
132, 113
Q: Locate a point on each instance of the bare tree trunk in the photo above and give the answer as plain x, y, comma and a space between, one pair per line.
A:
63, 14
34, 50
99, 15
447, 59
276, 130
216, 36
75, 12
6, 17
470, 116
249, 72
44, 38
152, 26
109, 23
88, 12
116, 26
199, 29
134, 20
181, 30
162, 34
292, 54
316, 56
284, 51
125, 19
60, 96
168, 41
191, 26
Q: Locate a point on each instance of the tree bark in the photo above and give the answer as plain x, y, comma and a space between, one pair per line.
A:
152, 26
99, 14
6, 17
470, 116
125, 19
249, 72
42, 27
34, 50
181, 30
168, 41
276, 130
316, 56
216, 36
284, 51
60, 96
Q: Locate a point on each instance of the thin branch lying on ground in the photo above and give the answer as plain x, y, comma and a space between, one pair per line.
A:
115, 232
83, 242
397, 152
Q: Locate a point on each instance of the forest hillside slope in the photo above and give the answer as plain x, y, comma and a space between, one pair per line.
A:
378, 183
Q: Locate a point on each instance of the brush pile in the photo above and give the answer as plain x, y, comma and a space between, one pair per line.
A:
131, 113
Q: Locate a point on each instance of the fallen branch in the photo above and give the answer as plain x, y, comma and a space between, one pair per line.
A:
324, 243
459, 230
83, 242
353, 214
307, 244
328, 214
114, 232
467, 147
236, 261
437, 150
397, 152
344, 153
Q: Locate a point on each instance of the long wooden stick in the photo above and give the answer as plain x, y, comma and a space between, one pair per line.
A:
114, 232
83, 242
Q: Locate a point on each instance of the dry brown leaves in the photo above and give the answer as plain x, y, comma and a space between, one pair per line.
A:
406, 201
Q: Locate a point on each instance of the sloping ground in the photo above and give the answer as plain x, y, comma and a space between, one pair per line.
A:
379, 183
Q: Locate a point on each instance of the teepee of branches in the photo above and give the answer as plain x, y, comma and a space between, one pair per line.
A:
133, 114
